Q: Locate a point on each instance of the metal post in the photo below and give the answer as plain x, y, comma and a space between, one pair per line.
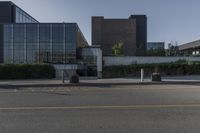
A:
63, 77
142, 75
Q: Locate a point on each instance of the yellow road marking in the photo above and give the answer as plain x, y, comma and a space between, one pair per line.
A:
101, 107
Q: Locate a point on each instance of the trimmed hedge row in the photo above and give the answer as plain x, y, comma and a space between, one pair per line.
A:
26, 71
191, 68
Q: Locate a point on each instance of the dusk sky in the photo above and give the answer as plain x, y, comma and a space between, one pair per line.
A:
168, 20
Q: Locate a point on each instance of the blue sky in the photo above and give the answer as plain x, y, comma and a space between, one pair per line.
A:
168, 20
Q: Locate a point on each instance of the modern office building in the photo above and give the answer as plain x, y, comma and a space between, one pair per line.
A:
23, 40
11, 13
155, 46
132, 32
54, 43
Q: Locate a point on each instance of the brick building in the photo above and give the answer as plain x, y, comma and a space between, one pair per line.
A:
132, 32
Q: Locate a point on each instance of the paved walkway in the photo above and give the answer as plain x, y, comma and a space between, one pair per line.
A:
114, 81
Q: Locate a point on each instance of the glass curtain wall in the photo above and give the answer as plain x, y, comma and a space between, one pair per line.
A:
40, 43
8, 44
58, 43
23, 17
45, 53
19, 43
32, 43
89, 57
71, 43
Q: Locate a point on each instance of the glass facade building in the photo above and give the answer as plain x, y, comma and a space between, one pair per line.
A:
54, 43
11, 13
92, 56
23, 40
155, 46
23, 17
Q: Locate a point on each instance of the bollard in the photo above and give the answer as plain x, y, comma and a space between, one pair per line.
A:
63, 77
142, 75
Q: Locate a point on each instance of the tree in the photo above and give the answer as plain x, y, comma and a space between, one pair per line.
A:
173, 49
117, 49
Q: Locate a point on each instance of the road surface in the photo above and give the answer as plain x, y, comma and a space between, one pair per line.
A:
107, 109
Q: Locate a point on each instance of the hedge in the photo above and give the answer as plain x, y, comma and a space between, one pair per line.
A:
186, 68
26, 71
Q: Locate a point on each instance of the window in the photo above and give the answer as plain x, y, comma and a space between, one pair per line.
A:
19, 43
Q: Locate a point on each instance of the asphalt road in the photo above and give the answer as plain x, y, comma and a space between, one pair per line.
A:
116, 109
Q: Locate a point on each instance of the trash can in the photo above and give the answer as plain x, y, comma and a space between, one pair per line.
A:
74, 79
156, 77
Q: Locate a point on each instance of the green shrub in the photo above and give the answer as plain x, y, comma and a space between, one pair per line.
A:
26, 71
177, 68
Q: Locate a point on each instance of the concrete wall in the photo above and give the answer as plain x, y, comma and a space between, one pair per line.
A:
141, 33
96, 30
128, 60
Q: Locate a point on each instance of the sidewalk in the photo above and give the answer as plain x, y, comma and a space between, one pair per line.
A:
99, 82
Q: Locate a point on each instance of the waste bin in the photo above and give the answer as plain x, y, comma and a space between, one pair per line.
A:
156, 77
74, 79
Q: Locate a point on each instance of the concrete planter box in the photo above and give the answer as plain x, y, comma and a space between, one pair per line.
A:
156, 77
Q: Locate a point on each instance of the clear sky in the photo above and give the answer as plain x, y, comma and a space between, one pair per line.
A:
168, 20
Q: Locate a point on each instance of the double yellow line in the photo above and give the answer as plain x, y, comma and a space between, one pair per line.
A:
114, 107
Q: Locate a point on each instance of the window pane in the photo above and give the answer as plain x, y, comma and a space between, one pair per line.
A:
32, 33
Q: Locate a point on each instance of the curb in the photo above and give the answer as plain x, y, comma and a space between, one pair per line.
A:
7, 86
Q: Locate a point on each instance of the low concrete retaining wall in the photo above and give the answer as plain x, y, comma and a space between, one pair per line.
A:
129, 60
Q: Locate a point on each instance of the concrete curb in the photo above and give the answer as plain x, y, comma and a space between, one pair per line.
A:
7, 86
